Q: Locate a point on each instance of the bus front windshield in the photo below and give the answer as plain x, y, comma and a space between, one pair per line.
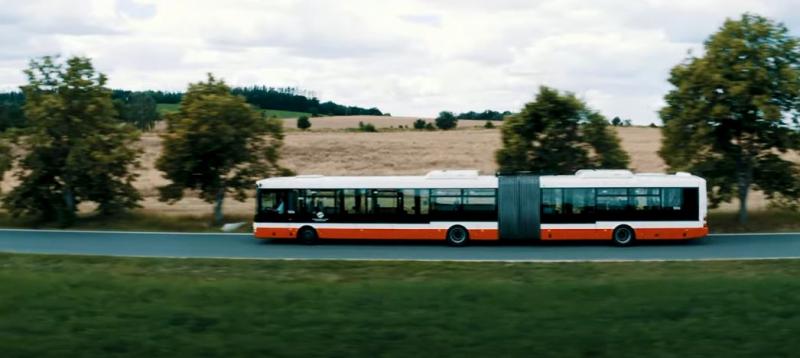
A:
273, 201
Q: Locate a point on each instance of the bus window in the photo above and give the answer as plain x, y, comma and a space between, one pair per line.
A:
446, 200
353, 201
479, 200
578, 201
277, 201
410, 205
645, 199
672, 198
383, 201
612, 199
267, 200
423, 197
552, 201
322, 201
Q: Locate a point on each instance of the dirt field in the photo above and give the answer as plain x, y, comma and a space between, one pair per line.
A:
330, 150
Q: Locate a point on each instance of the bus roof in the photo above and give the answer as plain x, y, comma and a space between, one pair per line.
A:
471, 179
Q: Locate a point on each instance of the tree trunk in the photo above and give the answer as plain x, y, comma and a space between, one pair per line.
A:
744, 178
218, 206
744, 187
67, 214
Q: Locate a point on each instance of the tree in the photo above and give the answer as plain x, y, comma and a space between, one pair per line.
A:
75, 149
616, 122
604, 142
627, 123
446, 120
367, 127
138, 109
734, 110
6, 160
419, 124
303, 122
558, 134
217, 144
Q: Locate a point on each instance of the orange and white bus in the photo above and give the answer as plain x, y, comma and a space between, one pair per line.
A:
460, 206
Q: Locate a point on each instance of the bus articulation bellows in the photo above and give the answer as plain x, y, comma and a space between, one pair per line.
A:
460, 205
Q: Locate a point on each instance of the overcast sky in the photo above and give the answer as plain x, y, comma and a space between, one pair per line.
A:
411, 58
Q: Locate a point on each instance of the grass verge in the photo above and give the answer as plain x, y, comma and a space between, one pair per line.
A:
758, 221
99, 306
131, 221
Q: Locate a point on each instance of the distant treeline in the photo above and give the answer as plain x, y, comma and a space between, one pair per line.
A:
487, 115
286, 99
292, 99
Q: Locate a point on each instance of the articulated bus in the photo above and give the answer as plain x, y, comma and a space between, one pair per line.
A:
461, 206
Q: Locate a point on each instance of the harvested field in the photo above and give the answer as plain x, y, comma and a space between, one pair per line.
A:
345, 122
330, 150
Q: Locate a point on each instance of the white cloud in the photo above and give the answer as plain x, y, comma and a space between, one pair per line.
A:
406, 57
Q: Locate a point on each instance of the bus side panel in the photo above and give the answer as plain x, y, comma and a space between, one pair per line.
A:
275, 233
389, 233
641, 234
575, 234
671, 233
400, 234
381, 234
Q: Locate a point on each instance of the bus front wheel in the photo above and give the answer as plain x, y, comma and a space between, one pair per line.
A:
457, 236
623, 236
307, 235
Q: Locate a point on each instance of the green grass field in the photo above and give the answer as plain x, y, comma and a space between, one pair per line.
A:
99, 306
164, 108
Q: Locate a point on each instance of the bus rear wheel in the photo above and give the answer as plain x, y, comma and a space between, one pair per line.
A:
457, 236
623, 236
307, 235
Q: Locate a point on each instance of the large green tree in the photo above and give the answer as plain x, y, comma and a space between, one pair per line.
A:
734, 110
5, 158
218, 144
139, 109
74, 147
558, 133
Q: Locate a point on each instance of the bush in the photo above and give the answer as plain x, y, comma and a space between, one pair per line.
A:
653, 125
446, 120
419, 124
429, 126
488, 125
303, 122
366, 127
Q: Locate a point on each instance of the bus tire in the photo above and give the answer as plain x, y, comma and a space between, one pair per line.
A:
457, 236
623, 236
307, 235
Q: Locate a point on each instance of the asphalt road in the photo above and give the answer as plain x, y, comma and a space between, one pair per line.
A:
714, 247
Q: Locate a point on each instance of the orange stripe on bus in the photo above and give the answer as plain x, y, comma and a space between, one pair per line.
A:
671, 233
641, 234
479, 234
375, 234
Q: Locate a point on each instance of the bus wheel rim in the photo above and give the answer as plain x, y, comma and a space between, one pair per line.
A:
458, 235
623, 235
